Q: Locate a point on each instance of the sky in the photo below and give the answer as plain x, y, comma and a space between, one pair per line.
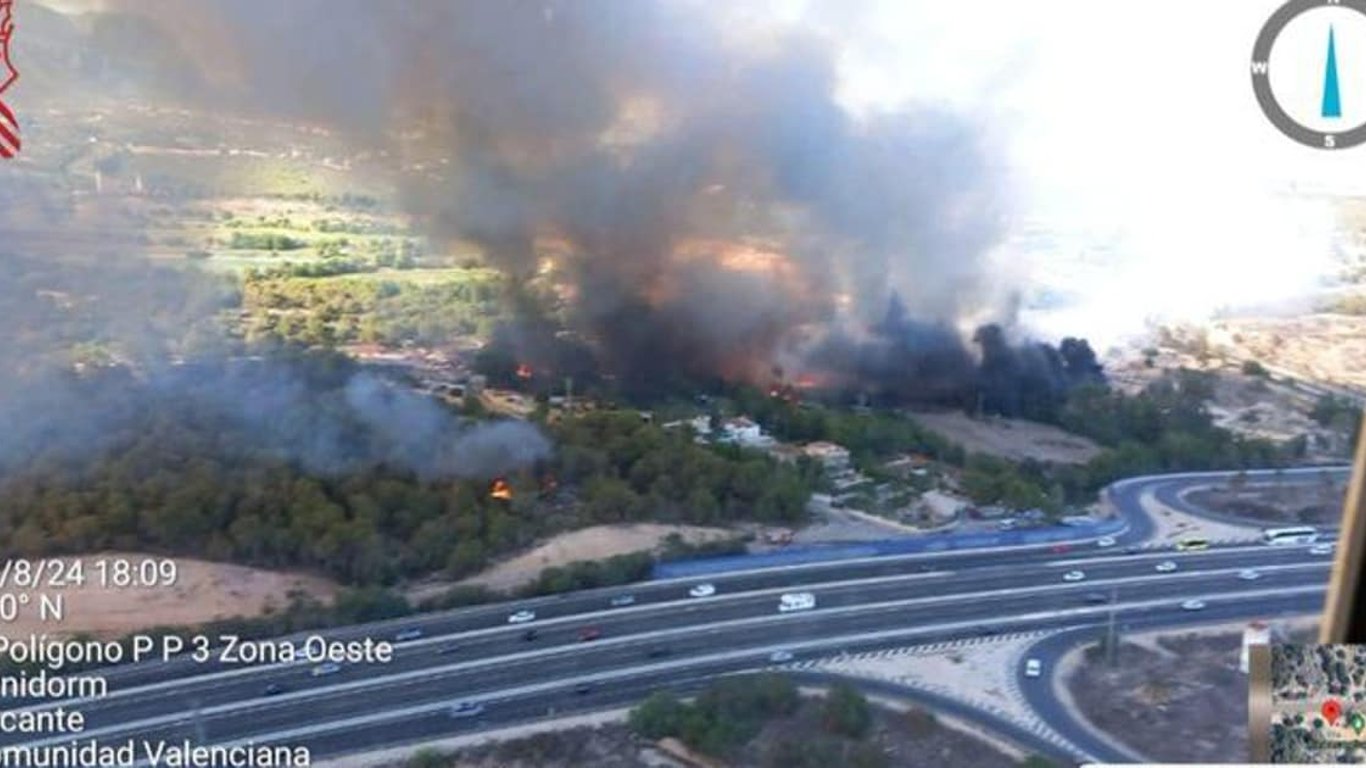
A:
1146, 181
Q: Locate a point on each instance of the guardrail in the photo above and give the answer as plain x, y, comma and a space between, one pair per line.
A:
903, 545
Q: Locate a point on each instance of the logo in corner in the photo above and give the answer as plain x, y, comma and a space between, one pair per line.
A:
9, 124
1307, 65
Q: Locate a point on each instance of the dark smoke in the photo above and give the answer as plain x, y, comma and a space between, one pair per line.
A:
650, 137
99, 344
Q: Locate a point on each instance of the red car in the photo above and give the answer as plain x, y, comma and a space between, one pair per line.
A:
589, 633
1060, 547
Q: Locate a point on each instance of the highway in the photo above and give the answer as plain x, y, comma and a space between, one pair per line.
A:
667, 639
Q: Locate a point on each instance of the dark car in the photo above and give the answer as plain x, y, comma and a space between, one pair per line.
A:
658, 653
589, 633
274, 689
1096, 598
530, 635
447, 650
583, 689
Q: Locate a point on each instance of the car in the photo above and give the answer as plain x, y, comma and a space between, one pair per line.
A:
1166, 566
659, 652
408, 634
274, 689
530, 635
447, 650
1249, 574
589, 633
1033, 668
1073, 576
1193, 605
1105, 541
780, 657
1096, 598
1131, 550
796, 601
322, 670
466, 709
1060, 548
1192, 545
621, 601
1321, 549
522, 617
702, 590
583, 689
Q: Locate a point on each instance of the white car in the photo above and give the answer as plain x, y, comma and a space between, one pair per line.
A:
1166, 566
1321, 549
1193, 605
1249, 574
796, 601
1105, 541
780, 657
1073, 576
1033, 668
621, 601
411, 633
702, 590
522, 617
330, 668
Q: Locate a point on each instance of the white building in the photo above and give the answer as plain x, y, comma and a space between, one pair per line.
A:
744, 431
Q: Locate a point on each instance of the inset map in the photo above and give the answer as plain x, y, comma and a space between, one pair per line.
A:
1318, 704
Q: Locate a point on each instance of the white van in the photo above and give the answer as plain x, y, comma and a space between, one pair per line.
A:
796, 601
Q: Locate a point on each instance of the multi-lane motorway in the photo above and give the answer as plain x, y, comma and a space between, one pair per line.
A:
668, 639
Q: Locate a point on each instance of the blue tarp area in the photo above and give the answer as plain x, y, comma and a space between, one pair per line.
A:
905, 545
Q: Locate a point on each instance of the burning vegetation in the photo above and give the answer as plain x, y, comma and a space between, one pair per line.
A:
673, 204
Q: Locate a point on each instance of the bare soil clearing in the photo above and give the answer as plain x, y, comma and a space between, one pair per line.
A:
595, 543
203, 592
1013, 439
1317, 504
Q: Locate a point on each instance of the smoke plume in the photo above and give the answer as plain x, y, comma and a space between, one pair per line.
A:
689, 184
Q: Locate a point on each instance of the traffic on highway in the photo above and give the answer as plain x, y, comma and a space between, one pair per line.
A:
486, 667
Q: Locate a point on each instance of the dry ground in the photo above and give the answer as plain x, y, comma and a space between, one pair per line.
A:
1013, 439
203, 592
1293, 504
596, 543
1177, 698
906, 738
1320, 347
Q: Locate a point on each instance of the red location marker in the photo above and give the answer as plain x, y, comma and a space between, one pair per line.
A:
1331, 710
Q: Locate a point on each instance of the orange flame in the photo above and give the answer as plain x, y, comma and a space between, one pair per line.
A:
501, 490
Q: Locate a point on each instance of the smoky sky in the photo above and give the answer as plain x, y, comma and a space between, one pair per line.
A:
99, 344
649, 137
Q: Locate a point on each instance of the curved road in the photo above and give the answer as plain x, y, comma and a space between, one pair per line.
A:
667, 639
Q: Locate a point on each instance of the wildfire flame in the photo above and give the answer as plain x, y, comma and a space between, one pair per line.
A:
501, 490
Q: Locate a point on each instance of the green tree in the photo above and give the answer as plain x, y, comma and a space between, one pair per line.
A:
660, 715
846, 712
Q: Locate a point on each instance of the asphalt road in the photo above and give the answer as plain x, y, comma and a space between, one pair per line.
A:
667, 639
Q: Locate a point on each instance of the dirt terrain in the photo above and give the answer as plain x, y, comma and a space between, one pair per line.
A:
1013, 439
1275, 406
1178, 698
1317, 504
1319, 347
901, 738
202, 592
596, 543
